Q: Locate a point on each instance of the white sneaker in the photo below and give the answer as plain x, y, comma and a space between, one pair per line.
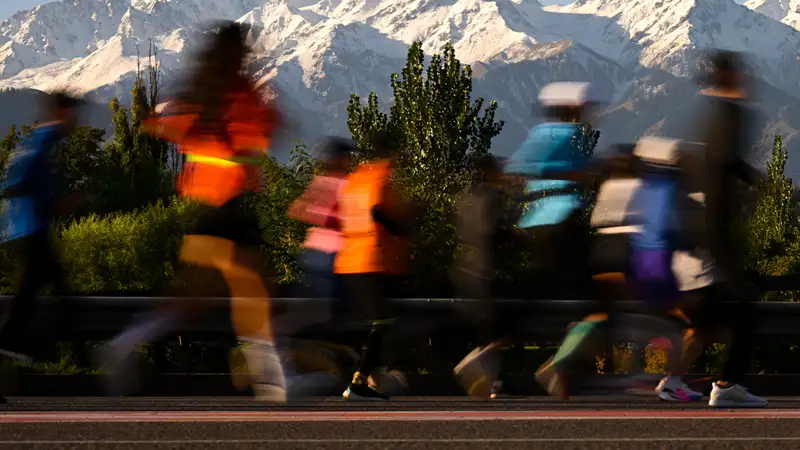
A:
734, 396
673, 389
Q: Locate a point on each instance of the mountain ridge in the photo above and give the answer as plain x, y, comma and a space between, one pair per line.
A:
319, 52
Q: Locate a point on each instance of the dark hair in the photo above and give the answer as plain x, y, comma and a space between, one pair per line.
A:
487, 165
337, 147
726, 69
218, 72
563, 113
383, 143
61, 100
725, 61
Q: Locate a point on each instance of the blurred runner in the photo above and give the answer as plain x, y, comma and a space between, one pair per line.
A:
318, 207
480, 214
318, 287
636, 219
550, 158
28, 212
727, 135
223, 126
661, 204
553, 163
372, 256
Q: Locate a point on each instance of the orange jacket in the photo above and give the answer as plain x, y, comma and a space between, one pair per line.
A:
366, 246
216, 171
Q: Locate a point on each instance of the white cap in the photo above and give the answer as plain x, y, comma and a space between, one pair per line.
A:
656, 150
162, 107
665, 152
570, 94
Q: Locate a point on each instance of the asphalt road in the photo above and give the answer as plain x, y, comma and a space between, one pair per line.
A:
413, 423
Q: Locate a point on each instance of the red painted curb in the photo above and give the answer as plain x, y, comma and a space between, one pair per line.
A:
330, 416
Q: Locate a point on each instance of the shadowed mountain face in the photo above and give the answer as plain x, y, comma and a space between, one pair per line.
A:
21, 107
318, 52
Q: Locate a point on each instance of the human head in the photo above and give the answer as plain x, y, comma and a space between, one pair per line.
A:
567, 114
60, 106
727, 70
488, 169
338, 153
217, 72
570, 102
384, 145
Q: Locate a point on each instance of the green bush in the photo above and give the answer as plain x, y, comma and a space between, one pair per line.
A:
125, 252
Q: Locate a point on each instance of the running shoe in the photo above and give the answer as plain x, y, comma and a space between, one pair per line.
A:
497, 391
673, 389
734, 396
553, 381
362, 392
478, 371
388, 382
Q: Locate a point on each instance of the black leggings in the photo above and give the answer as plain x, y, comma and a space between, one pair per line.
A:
738, 317
41, 267
367, 295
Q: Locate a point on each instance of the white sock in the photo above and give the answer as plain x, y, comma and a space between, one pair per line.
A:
264, 362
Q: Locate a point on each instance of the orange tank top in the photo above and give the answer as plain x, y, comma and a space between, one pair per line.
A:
366, 246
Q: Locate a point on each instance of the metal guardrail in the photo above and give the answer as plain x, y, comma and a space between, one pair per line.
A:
101, 317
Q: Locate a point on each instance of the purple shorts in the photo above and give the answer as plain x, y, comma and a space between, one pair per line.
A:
653, 280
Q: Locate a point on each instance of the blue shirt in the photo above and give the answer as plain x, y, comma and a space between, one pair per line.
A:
655, 203
29, 186
550, 148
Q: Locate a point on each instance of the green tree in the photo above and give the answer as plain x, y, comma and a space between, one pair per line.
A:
586, 140
773, 223
283, 184
136, 171
772, 229
441, 132
7, 145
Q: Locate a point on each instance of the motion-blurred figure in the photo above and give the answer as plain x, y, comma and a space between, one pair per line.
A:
318, 207
480, 215
319, 288
661, 203
556, 167
727, 134
552, 162
223, 126
31, 203
372, 256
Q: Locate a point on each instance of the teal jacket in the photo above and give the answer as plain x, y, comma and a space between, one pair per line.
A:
550, 148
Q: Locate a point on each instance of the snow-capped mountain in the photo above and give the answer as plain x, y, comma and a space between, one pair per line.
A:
786, 11
318, 52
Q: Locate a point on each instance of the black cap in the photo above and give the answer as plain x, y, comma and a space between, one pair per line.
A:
63, 100
487, 164
337, 147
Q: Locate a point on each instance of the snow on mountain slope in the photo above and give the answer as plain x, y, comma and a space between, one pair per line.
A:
786, 11
774, 9
318, 52
670, 34
14, 57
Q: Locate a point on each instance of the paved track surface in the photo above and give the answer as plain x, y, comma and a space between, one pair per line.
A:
413, 423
